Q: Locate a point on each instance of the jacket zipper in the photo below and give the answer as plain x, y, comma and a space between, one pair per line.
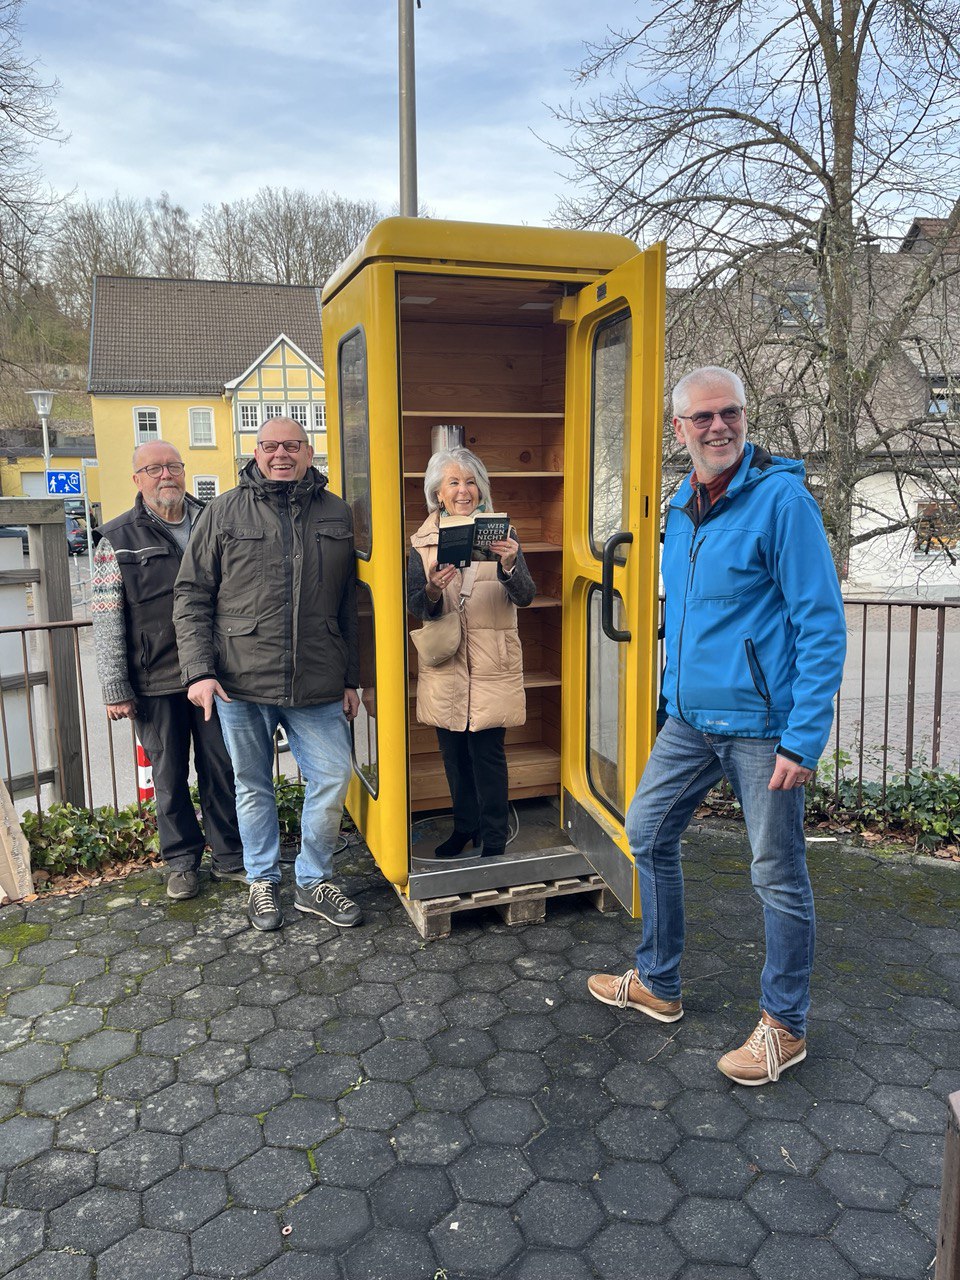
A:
694, 552
286, 538
758, 678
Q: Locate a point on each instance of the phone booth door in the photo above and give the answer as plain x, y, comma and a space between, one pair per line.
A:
610, 557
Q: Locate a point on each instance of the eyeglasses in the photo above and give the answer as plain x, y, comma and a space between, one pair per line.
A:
729, 415
291, 446
155, 469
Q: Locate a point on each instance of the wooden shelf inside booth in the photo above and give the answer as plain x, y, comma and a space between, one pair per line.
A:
481, 355
534, 771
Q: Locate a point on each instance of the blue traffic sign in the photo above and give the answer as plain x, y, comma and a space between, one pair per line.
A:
69, 483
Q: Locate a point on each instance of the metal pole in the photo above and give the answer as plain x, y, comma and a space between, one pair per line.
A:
409, 203
86, 516
46, 444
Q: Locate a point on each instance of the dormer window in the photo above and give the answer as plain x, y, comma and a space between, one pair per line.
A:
944, 399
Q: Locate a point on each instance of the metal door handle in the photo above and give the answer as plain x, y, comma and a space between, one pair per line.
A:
623, 538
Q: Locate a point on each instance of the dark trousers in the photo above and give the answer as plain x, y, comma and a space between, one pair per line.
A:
165, 726
476, 767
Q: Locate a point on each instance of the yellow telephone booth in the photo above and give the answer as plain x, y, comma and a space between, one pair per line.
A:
546, 346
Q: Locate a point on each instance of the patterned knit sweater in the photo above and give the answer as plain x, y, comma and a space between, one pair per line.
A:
109, 626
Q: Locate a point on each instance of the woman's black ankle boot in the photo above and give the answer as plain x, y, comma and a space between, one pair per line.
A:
455, 844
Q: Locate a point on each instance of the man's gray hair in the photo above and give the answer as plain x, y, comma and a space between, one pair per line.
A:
708, 376
460, 457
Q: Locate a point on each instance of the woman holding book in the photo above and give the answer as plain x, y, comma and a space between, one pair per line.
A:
476, 695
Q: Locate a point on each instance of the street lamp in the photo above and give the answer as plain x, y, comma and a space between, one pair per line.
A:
43, 403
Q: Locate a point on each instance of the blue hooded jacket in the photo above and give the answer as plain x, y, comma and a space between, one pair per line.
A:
755, 629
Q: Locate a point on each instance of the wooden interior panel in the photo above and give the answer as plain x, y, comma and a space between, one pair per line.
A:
475, 356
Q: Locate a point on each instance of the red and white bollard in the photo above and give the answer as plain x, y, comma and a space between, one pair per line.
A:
144, 775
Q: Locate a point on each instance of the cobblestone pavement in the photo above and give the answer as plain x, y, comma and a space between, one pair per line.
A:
182, 1097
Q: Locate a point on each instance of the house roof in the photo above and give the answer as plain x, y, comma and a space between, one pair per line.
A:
922, 233
190, 337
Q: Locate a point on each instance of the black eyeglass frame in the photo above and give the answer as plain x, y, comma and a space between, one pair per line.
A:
290, 446
729, 415
156, 469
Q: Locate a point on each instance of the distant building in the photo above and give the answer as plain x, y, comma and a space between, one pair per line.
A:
200, 364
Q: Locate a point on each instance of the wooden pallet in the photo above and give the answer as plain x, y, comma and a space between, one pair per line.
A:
519, 904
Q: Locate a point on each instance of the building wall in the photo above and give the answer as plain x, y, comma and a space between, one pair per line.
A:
892, 565
114, 425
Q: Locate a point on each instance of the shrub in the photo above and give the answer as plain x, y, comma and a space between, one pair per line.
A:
66, 838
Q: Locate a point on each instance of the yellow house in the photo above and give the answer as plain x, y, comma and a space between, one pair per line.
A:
200, 364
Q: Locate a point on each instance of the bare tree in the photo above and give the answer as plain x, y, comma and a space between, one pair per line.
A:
229, 250
175, 239
776, 147
105, 237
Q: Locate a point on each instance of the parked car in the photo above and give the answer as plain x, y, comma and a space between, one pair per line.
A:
76, 536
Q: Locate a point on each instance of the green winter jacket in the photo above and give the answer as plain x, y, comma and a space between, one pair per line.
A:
265, 599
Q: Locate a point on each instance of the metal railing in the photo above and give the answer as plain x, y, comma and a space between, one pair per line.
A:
898, 706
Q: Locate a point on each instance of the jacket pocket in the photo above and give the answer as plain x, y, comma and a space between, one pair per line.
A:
333, 547
757, 676
233, 648
242, 558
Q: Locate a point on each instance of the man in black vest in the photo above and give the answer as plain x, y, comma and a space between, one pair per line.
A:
134, 569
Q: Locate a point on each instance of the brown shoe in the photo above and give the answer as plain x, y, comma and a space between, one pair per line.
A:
626, 991
769, 1050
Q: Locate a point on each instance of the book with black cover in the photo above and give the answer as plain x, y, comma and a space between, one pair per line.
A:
459, 535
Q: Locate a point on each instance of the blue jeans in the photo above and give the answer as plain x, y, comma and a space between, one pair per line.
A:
683, 766
320, 741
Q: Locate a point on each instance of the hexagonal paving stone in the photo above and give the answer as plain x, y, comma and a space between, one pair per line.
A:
349, 1035
376, 1104
138, 1161
476, 1239
282, 1050
491, 1175
253, 1091
138, 1078
35, 1000
185, 1200
222, 1141
638, 1133
177, 1108
719, 1231
398, 1060
29, 1062
161, 1255
882, 1244
238, 1242
792, 1204
572, 1102
353, 1158
568, 1155
385, 1252
707, 1115
22, 1138
300, 1122
448, 1088
329, 1218
412, 1199
212, 1063
791, 1255
98, 1124
138, 1013
50, 1180
907, 1108
461, 1047
531, 1032
702, 1167
327, 1075
270, 1178
69, 1024
778, 1146
172, 1038
21, 1234
509, 1120
95, 1220
556, 1213
861, 1181
640, 1252
57, 1094
431, 1138
102, 1049
54, 1266
638, 1191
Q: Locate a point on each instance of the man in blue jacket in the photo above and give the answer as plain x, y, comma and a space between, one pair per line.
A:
755, 643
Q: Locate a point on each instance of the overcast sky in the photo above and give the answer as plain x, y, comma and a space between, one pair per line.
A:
210, 99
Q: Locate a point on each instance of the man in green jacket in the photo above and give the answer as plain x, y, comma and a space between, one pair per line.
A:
266, 620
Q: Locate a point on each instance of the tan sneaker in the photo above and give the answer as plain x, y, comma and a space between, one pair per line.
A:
769, 1050
626, 991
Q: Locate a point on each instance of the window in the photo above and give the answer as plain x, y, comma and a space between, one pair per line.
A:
798, 307
610, 430
364, 728
201, 429
319, 416
938, 528
146, 425
355, 436
274, 411
944, 399
298, 412
205, 487
249, 417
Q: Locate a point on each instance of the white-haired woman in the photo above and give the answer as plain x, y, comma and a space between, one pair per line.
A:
475, 696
